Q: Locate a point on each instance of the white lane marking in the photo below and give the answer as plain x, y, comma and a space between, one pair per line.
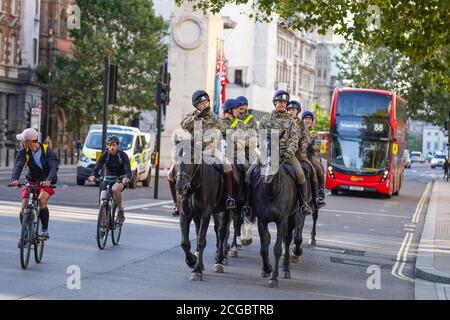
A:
364, 213
149, 205
402, 255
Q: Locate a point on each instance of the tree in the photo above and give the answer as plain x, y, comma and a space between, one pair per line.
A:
418, 29
368, 66
132, 36
322, 119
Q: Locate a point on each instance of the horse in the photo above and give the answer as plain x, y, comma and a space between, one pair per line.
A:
274, 199
200, 194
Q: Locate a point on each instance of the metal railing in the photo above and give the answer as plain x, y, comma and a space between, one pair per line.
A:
65, 156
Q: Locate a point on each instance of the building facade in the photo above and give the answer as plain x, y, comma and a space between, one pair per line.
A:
264, 57
19, 47
54, 40
434, 140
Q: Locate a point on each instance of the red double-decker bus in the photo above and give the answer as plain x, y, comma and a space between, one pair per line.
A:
367, 140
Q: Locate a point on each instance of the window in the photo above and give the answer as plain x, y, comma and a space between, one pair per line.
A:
12, 53
37, 7
319, 73
436, 134
13, 7
435, 146
1, 47
62, 25
429, 133
238, 77
35, 51
428, 145
325, 74
2, 5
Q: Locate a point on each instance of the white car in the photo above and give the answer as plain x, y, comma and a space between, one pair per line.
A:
416, 156
437, 161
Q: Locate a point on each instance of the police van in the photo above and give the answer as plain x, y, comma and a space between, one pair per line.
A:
133, 142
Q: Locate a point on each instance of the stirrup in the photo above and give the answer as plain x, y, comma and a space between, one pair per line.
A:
305, 209
230, 203
320, 203
175, 212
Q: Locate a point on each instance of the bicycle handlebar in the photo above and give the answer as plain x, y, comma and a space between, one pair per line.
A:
109, 179
28, 184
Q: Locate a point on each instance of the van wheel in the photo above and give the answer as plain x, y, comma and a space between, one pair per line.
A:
146, 182
133, 180
80, 182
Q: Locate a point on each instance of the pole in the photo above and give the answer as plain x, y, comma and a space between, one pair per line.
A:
105, 103
47, 111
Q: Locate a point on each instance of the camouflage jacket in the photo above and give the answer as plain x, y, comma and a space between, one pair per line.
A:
314, 144
211, 125
303, 140
248, 121
228, 122
288, 132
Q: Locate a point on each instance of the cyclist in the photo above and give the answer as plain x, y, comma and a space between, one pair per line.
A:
117, 164
42, 165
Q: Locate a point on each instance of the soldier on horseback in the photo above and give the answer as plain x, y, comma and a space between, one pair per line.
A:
204, 115
313, 151
294, 108
247, 118
288, 144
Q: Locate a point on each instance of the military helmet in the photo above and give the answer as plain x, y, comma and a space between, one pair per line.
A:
281, 95
294, 104
230, 104
307, 114
242, 100
199, 96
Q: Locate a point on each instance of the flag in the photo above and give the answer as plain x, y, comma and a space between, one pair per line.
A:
220, 82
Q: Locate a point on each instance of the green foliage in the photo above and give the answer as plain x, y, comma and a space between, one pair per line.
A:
417, 29
132, 36
322, 119
413, 143
368, 66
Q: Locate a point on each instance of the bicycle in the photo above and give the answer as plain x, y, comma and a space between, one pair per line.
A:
107, 217
31, 227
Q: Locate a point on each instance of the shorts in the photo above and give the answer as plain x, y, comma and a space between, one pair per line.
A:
26, 190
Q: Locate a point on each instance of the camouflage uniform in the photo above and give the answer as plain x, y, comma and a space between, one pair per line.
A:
288, 142
213, 132
312, 151
248, 121
303, 142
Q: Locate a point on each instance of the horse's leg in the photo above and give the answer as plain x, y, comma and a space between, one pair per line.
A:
298, 237
226, 245
197, 274
216, 231
277, 250
223, 230
236, 227
264, 236
197, 228
315, 216
185, 223
287, 244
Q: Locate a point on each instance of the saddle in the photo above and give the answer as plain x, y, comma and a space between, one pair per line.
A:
286, 166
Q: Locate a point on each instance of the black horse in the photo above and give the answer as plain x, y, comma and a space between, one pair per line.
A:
200, 194
274, 199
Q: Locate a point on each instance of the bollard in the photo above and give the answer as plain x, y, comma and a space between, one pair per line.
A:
7, 157
71, 156
65, 156
59, 155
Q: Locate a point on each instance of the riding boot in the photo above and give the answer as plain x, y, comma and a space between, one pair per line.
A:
320, 202
305, 208
175, 211
230, 202
247, 212
321, 186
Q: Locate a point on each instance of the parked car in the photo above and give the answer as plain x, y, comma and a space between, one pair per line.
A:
416, 156
407, 160
437, 161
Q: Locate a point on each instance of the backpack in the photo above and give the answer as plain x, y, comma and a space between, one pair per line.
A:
27, 155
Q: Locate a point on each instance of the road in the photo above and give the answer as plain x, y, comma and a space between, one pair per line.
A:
356, 235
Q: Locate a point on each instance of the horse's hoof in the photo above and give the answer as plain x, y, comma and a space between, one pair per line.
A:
246, 242
298, 252
191, 262
239, 246
265, 274
287, 275
294, 259
233, 252
273, 283
219, 268
196, 277
312, 242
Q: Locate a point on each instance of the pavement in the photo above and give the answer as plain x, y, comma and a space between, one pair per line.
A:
433, 258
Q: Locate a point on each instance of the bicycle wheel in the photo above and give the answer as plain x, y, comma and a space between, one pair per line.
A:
38, 242
116, 230
25, 240
102, 226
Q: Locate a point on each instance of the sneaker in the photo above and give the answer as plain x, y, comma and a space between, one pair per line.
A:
121, 216
175, 212
44, 234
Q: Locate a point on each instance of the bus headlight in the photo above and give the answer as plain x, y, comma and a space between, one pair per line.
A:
330, 171
385, 174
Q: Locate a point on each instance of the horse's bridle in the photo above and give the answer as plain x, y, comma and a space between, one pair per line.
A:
191, 177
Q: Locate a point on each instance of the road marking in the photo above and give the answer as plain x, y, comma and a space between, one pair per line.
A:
402, 255
364, 213
149, 205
